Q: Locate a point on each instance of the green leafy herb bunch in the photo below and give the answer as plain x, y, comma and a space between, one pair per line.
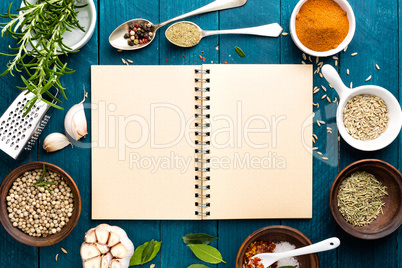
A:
39, 29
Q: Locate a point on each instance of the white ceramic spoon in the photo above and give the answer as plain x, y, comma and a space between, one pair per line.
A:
268, 259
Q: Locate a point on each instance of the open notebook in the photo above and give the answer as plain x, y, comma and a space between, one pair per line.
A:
201, 142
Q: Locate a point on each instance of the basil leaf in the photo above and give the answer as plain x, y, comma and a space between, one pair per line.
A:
138, 259
198, 266
206, 253
240, 52
198, 239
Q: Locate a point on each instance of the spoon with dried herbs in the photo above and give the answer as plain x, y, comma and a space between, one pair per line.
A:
39, 29
139, 33
189, 34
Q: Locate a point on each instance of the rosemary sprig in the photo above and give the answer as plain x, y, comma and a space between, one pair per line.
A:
40, 25
41, 183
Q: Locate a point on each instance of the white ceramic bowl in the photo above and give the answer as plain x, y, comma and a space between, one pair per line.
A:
352, 27
76, 38
345, 94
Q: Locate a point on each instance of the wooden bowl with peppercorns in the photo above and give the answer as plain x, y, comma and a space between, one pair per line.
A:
40, 204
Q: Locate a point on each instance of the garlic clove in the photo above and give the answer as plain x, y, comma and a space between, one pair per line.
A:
89, 251
106, 260
75, 122
119, 251
90, 236
115, 264
55, 141
102, 248
114, 239
93, 263
102, 233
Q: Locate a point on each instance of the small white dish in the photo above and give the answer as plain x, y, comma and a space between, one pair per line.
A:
345, 94
76, 38
352, 27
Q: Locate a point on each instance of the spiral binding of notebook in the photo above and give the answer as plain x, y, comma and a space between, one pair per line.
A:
202, 142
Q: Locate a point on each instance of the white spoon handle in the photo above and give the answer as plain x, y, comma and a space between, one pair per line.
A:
332, 76
327, 244
269, 30
214, 6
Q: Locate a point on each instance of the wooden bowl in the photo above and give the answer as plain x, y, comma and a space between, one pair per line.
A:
16, 233
276, 234
385, 223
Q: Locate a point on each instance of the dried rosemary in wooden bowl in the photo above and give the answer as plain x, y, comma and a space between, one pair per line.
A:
366, 199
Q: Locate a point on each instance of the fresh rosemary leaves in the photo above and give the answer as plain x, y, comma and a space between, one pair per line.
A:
40, 25
42, 183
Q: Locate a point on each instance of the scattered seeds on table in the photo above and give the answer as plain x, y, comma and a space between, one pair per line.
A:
351, 84
119, 50
323, 88
317, 59
378, 67
321, 122
309, 58
330, 86
353, 54
57, 255
319, 153
304, 56
347, 71
368, 78
64, 251
335, 57
318, 123
346, 48
324, 96
123, 61
303, 62
285, 33
324, 158
315, 136
314, 148
129, 61
328, 99
336, 62
321, 75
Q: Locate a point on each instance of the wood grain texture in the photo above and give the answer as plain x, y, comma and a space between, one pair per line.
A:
376, 41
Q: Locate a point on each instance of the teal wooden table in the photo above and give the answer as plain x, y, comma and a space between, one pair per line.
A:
376, 41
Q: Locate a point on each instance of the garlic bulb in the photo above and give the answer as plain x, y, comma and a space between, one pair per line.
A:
55, 141
106, 247
75, 122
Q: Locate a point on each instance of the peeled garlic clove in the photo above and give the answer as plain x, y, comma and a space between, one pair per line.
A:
102, 248
114, 239
90, 236
119, 251
106, 260
89, 251
93, 263
116, 264
55, 141
102, 233
75, 122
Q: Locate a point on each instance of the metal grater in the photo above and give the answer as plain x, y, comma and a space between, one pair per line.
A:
18, 134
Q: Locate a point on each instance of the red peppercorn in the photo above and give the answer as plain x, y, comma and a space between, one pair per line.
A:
145, 40
141, 41
136, 25
135, 29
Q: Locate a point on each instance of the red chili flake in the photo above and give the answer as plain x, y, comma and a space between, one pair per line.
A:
256, 248
202, 51
203, 58
200, 56
166, 59
184, 56
226, 62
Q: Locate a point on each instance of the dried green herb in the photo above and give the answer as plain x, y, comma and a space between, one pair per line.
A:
41, 25
198, 239
240, 52
183, 34
206, 253
145, 253
360, 198
41, 183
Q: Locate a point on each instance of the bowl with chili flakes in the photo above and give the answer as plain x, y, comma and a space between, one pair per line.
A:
322, 28
266, 239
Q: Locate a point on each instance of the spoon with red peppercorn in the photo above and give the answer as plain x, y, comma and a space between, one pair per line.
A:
139, 33
189, 34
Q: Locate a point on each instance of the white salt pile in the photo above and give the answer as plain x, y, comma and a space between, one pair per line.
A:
286, 246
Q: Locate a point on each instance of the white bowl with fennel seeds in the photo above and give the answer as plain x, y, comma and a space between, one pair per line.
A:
380, 120
76, 39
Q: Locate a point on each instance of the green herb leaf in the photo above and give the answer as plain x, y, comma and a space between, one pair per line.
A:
148, 250
198, 239
240, 52
42, 175
206, 253
139, 252
198, 266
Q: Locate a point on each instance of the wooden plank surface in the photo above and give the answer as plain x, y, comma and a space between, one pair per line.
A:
376, 41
